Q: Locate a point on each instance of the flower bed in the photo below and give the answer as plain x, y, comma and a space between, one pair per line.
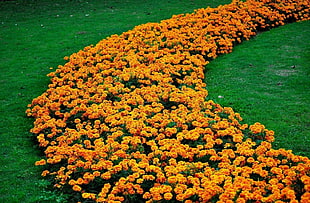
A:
127, 120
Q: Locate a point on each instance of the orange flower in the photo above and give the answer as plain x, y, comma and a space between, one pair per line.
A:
40, 163
172, 179
106, 175
168, 196
76, 188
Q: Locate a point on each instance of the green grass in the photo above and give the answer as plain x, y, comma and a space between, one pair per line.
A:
257, 79
267, 80
34, 36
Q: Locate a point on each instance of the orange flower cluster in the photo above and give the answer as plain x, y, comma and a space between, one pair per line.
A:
127, 119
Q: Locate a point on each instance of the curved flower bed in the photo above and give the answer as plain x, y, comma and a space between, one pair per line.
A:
126, 120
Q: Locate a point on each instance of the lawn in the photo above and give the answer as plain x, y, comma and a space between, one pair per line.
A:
272, 70
267, 79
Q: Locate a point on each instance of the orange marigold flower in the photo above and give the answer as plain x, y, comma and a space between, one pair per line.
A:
76, 188
172, 179
41, 162
88, 195
96, 173
305, 198
180, 197
45, 173
80, 181
168, 196
178, 190
147, 195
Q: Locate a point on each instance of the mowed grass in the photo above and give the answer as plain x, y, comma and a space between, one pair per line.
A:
34, 36
267, 80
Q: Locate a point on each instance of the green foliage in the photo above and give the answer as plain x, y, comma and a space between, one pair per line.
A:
48, 195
